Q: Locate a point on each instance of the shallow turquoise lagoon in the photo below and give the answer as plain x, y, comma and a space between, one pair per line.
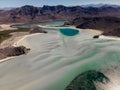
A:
55, 60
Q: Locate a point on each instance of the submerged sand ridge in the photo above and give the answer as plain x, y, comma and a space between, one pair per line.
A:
47, 67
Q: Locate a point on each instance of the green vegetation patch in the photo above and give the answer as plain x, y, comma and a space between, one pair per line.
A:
6, 33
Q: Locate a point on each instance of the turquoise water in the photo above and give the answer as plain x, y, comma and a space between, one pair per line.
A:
54, 23
89, 54
51, 66
50, 23
69, 32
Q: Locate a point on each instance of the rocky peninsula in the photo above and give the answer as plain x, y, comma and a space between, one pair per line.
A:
13, 51
108, 25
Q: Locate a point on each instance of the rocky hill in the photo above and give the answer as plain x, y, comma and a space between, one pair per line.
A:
109, 25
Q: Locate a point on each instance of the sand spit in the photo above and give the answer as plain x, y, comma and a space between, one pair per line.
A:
18, 42
14, 38
109, 37
6, 27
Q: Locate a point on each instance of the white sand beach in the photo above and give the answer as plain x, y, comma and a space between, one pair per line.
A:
109, 37
16, 36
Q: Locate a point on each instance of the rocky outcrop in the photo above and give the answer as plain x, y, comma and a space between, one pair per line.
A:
109, 25
114, 32
37, 30
96, 36
13, 51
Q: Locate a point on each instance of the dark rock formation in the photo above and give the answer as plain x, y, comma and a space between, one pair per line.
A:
37, 30
13, 51
96, 36
85, 81
67, 24
114, 32
109, 25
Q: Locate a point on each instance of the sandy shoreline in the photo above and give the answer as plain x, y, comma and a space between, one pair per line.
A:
10, 42
98, 32
109, 37
17, 43
6, 27
37, 69
22, 38
72, 27
14, 38
18, 37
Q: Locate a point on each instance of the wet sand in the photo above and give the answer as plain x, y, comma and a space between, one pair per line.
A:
49, 66
17, 37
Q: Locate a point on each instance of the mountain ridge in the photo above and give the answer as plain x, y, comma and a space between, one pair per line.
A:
100, 5
30, 14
